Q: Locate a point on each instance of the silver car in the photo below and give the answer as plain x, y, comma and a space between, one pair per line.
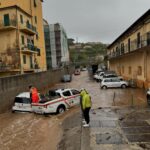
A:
113, 82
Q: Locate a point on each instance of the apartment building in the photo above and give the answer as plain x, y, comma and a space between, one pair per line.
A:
22, 47
56, 34
129, 54
47, 45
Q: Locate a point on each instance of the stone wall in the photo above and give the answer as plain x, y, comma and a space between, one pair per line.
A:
11, 86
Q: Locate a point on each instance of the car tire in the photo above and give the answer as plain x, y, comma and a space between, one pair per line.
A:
104, 87
148, 99
123, 86
61, 109
13, 111
97, 80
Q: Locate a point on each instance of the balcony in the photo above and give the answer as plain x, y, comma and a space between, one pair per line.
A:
7, 26
134, 47
28, 29
29, 49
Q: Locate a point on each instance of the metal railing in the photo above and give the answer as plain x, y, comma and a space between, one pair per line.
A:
8, 23
134, 45
31, 27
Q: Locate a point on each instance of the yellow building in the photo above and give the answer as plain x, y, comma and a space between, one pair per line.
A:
129, 54
22, 45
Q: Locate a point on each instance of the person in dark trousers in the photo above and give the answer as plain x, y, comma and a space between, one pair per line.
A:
86, 104
81, 98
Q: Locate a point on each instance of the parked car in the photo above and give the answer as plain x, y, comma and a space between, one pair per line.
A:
111, 76
98, 76
55, 101
148, 96
66, 78
77, 72
84, 69
113, 82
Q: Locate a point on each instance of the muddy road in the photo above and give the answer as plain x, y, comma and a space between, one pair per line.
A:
22, 131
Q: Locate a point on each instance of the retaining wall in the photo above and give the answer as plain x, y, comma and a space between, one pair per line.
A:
11, 86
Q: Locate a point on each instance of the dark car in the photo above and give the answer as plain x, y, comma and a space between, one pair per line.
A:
77, 72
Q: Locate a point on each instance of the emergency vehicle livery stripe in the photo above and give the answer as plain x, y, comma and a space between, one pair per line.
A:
49, 103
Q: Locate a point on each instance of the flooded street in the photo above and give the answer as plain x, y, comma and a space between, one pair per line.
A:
22, 131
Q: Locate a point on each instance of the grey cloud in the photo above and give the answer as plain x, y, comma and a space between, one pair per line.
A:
94, 20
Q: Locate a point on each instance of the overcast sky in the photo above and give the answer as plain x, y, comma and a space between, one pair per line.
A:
94, 20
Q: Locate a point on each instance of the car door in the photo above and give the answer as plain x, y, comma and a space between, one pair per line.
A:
69, 98
76, 96
116, 82
109, 83
26, 104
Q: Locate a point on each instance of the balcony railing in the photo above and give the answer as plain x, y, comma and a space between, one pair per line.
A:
10, 24
134, 45
28, 28
29, 48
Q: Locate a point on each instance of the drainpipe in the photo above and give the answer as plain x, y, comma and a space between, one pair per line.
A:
17, 42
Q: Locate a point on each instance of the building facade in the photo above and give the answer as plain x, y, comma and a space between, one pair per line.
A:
129, 54
22, 47
47, 45
58, 45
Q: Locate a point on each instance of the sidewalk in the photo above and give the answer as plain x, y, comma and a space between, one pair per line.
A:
117, 129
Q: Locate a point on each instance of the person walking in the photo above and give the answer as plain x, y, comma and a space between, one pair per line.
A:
86, 105
33, 94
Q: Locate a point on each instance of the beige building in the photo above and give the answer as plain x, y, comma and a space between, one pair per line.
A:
22, 47
129, 54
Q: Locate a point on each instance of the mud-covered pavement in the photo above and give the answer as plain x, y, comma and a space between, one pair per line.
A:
22, 131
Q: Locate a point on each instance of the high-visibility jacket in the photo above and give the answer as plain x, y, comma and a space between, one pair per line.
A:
86, 101
34, 95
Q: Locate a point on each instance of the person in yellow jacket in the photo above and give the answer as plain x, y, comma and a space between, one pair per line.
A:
86, 106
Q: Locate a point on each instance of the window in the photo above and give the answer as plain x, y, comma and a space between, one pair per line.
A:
24, 59
22, 39
21, 19
130, 70
148, 38
35, 19
37, 37
115, 80
39, 51
122, 48
22, 100
75, 92
6, 20
128, 45
138, 40
35, 3
107, 80
67, 93
139, 70
28, 41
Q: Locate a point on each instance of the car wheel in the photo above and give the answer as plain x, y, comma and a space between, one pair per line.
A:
104, 87
61, 109
97, 80
148, 99
13, 111
123, 86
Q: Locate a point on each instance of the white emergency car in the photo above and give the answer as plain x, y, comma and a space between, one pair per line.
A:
56, 101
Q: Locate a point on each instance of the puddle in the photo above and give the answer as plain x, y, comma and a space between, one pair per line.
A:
108, 138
